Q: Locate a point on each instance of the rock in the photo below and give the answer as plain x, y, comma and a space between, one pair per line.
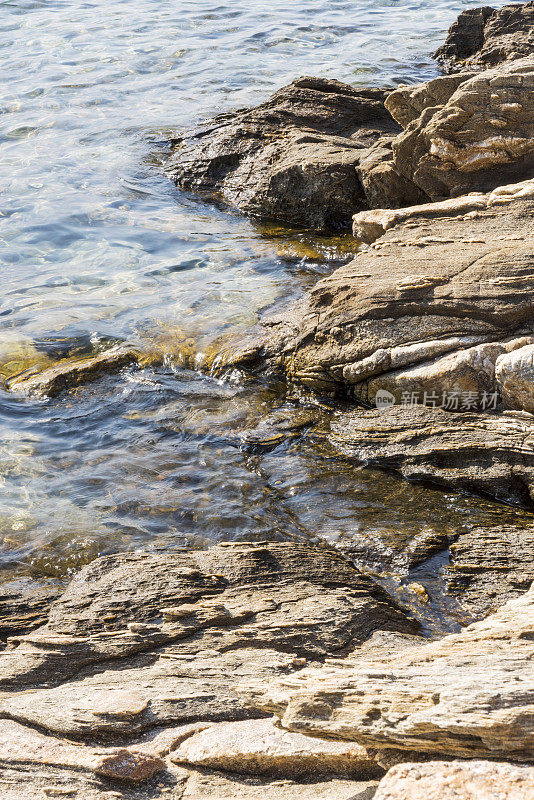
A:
467, 376
489, 566
200, 785
205, 618
481, 138
514, 373
19, 745
457, 780
368, 226
384, 186
25, 604
464, 133
258, 747
407, 103
69, 373
293, 158
482, 453
438, 282
143, 652
428, 700
484, 37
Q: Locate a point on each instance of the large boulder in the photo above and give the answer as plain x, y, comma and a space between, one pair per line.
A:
468, 695
482, 137
483, 37
293, 158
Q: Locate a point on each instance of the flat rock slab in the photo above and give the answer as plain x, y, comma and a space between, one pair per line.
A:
457, 780
468, 695
204, 785
487, 454
258, 747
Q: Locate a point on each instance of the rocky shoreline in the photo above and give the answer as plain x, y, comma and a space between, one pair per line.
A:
281, 670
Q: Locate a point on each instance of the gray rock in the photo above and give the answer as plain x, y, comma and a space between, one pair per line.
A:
293, 158
488, 454
483, 37
142, 652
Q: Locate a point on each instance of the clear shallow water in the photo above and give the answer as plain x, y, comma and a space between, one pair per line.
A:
95, 243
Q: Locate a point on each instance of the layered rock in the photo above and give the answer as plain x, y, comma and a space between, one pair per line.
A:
143, 651
483, 37
442, 280
468, 695
489, 566
487, 454
481, 138
293, 158
457, 780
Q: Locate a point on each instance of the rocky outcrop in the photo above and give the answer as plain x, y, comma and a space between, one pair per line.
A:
468, 695
293, 158
490, 566
441, 281
483, 37
70, 373
457, 780
487, 454
481, 138
142, 652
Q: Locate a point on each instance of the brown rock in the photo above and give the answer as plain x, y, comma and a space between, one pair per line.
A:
293, 158
481, 138
482, 453
468, 695
258, 747
457, 780
70, 373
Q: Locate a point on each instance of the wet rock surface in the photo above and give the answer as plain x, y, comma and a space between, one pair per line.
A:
292, 158
426, 700
483, 37
482, 453
70, 373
